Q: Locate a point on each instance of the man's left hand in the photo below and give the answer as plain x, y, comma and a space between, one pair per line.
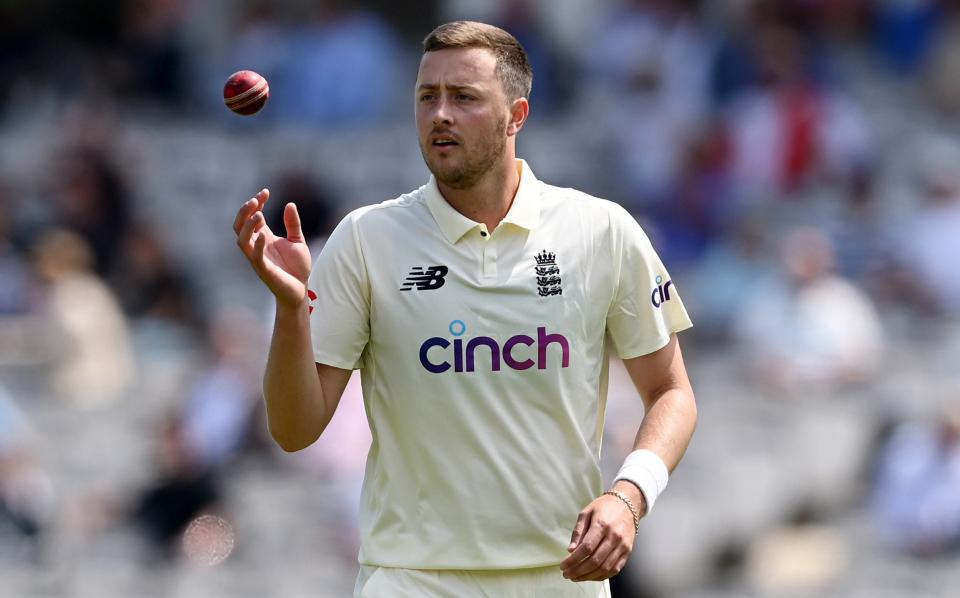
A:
603, 536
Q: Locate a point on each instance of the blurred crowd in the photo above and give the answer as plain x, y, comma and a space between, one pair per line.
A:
795, 162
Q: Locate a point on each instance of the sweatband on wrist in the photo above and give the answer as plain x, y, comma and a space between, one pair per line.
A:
646, 471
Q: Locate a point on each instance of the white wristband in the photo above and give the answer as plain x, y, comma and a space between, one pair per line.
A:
648, 472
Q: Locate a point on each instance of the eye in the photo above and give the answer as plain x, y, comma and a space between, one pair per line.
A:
464, 97
427, 97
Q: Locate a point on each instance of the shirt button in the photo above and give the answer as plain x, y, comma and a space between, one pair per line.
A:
483, 233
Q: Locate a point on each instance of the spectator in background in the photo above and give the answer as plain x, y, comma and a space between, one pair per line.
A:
915, 497
702, 205
905, 32
196, 444
927, 274
93, 361
809, 329
17, 288
27, 497
151, 286
17, 46
651, 58
181, 490
941, 75
523, 19
93, 201
217, 417
315, 203
335, 65
732, 69
178, 489
726, 277
19, 291
787, 128
863, 231
152, 59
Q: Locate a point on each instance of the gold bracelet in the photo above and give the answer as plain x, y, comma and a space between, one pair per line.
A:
629, 503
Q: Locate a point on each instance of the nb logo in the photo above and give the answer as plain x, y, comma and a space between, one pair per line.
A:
425, 280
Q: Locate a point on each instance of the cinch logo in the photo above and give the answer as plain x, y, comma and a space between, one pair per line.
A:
435, 358
661, 294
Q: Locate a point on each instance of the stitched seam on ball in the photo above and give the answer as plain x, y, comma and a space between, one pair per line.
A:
250, 101
256, 89
247, 97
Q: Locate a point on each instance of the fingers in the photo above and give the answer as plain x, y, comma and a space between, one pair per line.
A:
589, 542
601, 542
614, 563
291, 220
259, 263
243, 214
583, 520
252, 226
254, 204
592, 565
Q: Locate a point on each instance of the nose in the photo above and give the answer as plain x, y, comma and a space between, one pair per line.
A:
441, 115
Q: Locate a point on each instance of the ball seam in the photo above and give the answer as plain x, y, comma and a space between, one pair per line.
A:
250, 101
259, 87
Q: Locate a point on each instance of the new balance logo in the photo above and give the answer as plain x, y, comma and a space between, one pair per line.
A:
425, 280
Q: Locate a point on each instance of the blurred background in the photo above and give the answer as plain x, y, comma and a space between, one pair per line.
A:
796, 163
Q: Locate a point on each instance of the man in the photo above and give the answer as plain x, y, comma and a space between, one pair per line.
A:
477, 309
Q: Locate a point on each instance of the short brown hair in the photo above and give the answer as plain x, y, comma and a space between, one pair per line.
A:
513, 66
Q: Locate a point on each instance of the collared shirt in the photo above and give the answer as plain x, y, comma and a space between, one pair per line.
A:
483, 363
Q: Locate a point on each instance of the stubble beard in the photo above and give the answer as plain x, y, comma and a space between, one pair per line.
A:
472, 168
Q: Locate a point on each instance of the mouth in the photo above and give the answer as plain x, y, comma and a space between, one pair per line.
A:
444, 141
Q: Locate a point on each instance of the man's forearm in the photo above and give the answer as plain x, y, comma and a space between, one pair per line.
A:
296, 411
666, 430
668, 426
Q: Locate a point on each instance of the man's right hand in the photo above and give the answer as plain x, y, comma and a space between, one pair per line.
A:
282, 263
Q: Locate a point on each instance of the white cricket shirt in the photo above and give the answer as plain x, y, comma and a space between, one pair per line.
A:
483, 365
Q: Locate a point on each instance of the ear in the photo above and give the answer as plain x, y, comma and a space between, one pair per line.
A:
519, 110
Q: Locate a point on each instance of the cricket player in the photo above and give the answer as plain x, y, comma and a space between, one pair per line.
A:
479, 310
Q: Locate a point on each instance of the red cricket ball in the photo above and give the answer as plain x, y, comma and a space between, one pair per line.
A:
246, 92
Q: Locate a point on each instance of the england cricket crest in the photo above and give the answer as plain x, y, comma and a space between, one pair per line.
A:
548, 274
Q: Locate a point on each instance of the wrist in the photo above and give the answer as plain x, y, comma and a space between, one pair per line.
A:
292, 308
291, 304
647, 472
632, 506
631, 491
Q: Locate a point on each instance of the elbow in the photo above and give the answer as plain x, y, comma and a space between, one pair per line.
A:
693, 412
291, 443
290, 446
692, 415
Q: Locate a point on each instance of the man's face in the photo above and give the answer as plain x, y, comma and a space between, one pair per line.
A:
462, 115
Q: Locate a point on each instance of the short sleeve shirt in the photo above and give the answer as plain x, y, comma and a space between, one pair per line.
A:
483, 364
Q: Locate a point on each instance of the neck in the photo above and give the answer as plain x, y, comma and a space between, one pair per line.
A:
489, 200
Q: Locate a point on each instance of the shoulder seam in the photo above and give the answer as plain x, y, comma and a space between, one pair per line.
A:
404, 201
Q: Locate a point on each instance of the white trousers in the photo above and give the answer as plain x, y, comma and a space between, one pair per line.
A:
547, 582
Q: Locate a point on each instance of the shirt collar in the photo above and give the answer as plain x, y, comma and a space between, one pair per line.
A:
524, 211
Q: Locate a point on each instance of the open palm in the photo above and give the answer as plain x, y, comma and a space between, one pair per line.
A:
282, 263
